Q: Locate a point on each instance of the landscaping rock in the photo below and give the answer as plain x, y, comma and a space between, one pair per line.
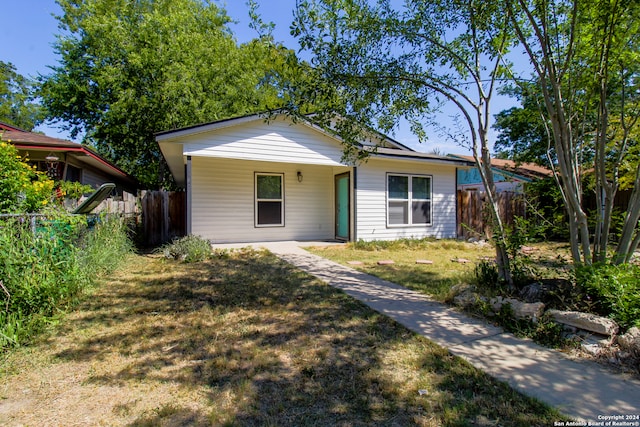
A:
467, 299
588, 322
424, 261
630, 341
547, 291
386, 262
481, 243
521, 310
460, 260
593, 344
533, 292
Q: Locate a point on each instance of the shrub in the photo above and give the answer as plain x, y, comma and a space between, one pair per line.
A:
106, 245
486, 273
615, 289
43, 273
22, 188
188, 249
39, 272
72, 191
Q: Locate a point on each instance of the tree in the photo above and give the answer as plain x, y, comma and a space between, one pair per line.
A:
17, 105
374, 63
130, 69
522, 133
585, 56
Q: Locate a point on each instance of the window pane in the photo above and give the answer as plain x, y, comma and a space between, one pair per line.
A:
269, 186
398, 187
269, 213
421, 187
398, 212
421, 212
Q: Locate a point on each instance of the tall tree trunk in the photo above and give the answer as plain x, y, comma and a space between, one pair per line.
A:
630, 237
503, 263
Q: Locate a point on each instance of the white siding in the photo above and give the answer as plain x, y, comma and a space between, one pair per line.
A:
276, 141
371, 200
223, 201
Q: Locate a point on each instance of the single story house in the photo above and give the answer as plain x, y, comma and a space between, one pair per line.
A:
67, 160
249, 179
508, 175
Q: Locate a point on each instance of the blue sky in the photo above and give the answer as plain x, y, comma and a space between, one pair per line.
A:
29, 29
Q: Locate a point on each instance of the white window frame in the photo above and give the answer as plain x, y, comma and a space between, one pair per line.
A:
409, 200
257, 200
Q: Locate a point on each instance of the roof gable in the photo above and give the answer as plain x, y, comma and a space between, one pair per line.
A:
379, 138
276, 138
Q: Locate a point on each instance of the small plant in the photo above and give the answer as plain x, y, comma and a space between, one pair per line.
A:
106, 245
544, 331
72, 190
615, 289
188, 249
486, 273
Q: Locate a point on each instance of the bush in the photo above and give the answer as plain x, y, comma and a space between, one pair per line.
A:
106, 245
39, 272
188, 249
615, 289
22, 188
43, 273
486, 273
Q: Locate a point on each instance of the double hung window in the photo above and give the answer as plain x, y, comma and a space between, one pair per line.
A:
408, 200
269, 200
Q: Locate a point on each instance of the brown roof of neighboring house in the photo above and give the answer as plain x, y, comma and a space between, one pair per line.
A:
37, 142
7, 126
529, 170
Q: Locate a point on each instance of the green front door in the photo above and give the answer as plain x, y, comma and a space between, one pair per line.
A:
342, 206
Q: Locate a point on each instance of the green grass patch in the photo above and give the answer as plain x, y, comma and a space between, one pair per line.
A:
247, 339
434, 279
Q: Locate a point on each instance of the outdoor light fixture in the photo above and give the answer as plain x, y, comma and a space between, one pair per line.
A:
52, 165
299, 174
52, 158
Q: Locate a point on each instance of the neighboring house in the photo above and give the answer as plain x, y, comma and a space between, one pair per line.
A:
248, 179
508, 175
66, 160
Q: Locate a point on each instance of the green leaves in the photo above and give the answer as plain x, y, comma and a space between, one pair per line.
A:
385, 62
17, 105
22, 188
130, 69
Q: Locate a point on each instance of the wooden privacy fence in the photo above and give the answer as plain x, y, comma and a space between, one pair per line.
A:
474, 215
163, 216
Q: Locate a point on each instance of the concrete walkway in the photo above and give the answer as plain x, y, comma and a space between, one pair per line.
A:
582, 390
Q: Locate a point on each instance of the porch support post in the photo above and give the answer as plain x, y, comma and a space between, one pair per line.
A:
189, 194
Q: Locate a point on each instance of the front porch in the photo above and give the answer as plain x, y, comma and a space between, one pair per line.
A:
243, 201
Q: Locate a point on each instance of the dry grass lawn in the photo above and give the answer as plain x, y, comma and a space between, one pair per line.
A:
242, 340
